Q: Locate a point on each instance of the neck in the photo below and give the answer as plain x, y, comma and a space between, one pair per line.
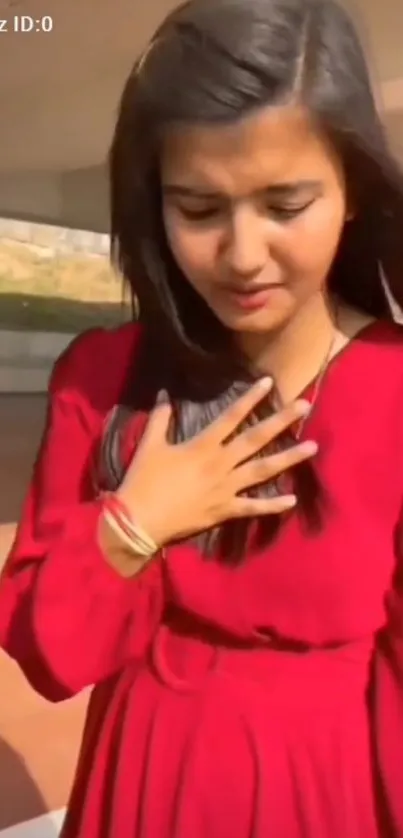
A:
294, 354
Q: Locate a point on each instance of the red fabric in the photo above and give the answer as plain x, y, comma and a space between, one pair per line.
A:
259, 702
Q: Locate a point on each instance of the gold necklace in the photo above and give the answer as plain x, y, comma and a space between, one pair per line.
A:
318, 383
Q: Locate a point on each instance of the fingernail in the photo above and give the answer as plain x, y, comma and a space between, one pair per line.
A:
266, 382
162, 398
309, 447
289, 501
303, 406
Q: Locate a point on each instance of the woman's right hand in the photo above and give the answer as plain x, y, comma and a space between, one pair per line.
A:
176, 490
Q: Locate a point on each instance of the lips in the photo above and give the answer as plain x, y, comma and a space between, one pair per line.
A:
250, 297
248, 290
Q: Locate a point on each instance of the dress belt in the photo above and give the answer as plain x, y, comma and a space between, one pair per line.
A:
186, 654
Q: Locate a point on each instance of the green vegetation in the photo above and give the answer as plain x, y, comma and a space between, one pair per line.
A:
65, 293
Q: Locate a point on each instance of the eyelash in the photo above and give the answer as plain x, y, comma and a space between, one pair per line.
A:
283, 213
198, 215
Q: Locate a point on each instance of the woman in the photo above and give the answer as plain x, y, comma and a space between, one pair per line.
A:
211, 537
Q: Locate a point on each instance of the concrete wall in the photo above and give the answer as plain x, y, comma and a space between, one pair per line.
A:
84, 198
76, 199
53, 239
27, 358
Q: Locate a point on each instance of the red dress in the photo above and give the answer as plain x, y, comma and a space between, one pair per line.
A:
264, 701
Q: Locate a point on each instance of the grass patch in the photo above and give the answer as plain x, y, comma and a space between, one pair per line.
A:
63, 293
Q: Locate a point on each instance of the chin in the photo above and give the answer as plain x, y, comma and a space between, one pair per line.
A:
260, 322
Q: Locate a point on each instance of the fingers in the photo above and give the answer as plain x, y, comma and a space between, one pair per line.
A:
158, 423
264, 469
233, 416
258, 507
253, 439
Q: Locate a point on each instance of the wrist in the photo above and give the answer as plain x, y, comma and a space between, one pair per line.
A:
141, 520
124, 561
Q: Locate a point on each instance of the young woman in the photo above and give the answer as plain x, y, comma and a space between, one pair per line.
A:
212, 533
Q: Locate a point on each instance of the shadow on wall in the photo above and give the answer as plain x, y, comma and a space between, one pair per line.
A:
19, 796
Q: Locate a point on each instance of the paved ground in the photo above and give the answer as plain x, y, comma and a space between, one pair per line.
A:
38, 741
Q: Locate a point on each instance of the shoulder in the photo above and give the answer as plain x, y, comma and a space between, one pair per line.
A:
374, 371
93, 368
374, 379
380, 343
384, 347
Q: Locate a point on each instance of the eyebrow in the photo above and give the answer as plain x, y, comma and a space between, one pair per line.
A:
278, 190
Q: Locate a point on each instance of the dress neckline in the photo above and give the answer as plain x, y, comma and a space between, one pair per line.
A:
369, 330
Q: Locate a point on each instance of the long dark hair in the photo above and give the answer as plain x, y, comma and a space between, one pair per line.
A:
212, 62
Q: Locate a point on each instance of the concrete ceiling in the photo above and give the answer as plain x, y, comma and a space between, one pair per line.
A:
58, 90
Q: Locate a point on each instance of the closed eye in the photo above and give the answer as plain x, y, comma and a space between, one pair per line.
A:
279, 212
202, 214
287, 213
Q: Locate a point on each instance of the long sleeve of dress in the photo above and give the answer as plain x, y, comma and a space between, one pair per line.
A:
66, 616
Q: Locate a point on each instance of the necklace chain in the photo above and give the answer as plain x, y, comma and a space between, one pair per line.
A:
318, 382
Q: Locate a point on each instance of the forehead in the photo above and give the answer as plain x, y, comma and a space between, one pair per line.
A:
272, 146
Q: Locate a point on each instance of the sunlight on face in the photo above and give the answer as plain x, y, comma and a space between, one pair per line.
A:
254, 213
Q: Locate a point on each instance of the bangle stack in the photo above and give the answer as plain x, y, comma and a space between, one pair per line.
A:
119, 519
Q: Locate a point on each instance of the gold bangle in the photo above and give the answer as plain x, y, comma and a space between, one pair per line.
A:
136, 546
138, 534
122, 516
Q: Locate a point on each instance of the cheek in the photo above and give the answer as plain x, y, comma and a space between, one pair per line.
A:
313, 242
195, 254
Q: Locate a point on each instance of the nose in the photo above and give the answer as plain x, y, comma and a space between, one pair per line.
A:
245, 248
